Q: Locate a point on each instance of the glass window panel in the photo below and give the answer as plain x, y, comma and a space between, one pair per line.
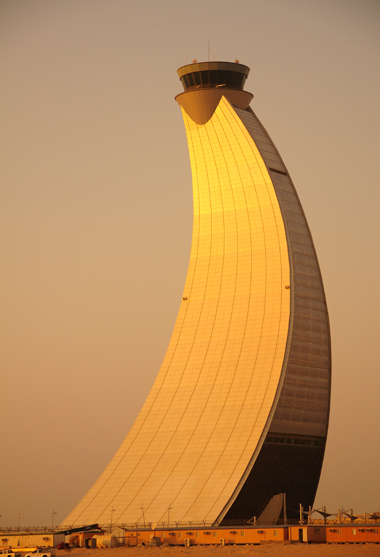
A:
205, 78
197, 78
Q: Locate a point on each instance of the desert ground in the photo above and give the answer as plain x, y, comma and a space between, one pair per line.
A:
273, 550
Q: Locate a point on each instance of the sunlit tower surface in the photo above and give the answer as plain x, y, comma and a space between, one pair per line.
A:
239, 411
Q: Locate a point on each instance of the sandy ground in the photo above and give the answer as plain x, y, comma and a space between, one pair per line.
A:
275, 550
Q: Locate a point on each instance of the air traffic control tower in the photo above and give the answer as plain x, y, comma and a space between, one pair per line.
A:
239, 411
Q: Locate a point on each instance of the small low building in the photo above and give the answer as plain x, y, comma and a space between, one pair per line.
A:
353, 533
255, 535
207, 536
29, 539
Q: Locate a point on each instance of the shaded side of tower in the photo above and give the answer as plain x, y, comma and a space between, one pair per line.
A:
291, 457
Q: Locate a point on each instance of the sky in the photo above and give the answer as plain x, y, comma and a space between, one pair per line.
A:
96, 218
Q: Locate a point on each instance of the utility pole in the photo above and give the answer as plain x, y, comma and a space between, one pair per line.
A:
142, 508
19, 519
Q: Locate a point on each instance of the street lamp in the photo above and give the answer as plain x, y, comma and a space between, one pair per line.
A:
112, 511
142, 508
52, 522
19, 518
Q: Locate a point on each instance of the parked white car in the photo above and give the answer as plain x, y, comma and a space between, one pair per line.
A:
10, 553
40, 553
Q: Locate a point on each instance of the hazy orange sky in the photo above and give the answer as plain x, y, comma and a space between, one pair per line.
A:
96, 217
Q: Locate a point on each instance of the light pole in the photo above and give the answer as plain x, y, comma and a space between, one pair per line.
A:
52, 522
19, 519
169, 509
112, 511
142, 508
